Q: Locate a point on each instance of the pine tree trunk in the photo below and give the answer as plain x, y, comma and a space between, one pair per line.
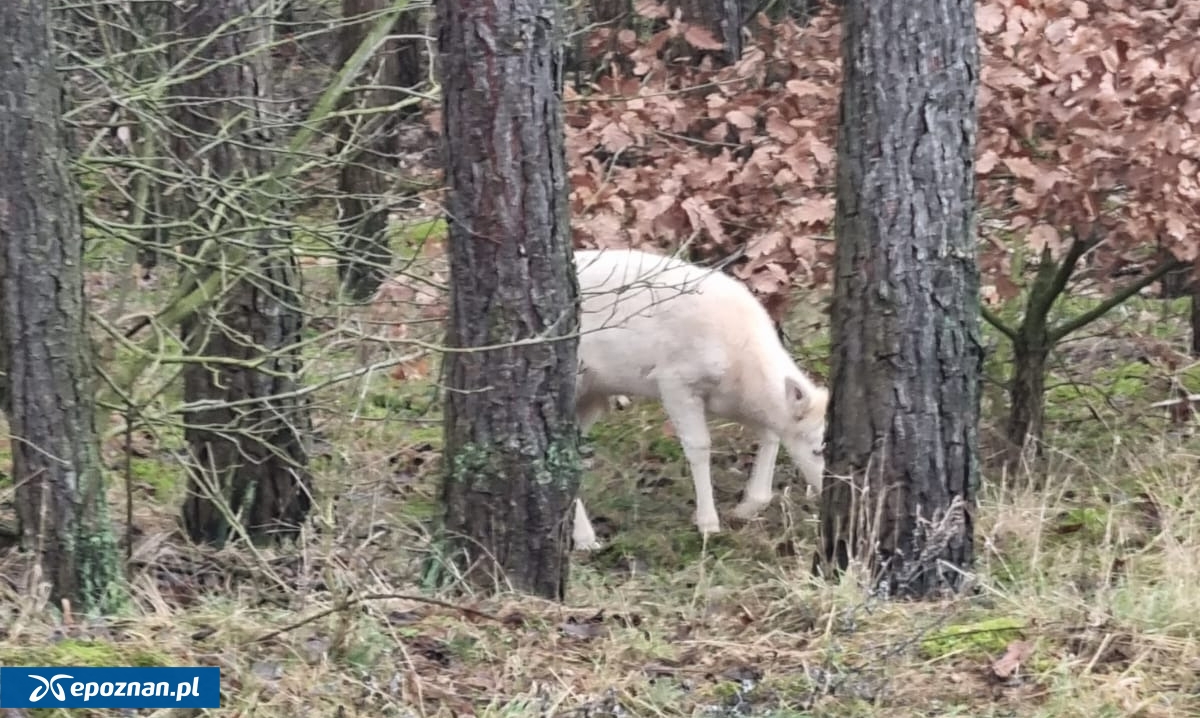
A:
906, 355
511, 440
247, 446
364, 174
47, 392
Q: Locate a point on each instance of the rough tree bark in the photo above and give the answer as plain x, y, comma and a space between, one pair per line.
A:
248, 445
363, 178
511, 439
44, 354
906, 355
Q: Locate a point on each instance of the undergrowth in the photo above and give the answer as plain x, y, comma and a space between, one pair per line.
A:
1092, 561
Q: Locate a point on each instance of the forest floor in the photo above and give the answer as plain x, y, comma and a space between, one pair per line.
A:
1087, 571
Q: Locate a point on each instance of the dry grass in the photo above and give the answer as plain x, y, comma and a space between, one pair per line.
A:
1109, 606
1095, 562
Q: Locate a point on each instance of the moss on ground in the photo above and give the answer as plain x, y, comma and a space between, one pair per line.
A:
167, 481
979, 639
408, 239
76, 652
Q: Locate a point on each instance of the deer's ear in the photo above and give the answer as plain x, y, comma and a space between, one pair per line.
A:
796, 395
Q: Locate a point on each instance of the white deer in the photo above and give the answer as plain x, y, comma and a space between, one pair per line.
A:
699, 342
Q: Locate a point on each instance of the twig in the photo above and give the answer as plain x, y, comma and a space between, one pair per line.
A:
1062, 330
351, 602
995, 320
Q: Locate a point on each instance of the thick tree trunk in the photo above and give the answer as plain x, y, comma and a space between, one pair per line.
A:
906, 355
364, 174
46, 392
511, 439
248, 444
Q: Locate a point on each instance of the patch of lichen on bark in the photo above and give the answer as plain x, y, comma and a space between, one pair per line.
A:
97, 559
558, 466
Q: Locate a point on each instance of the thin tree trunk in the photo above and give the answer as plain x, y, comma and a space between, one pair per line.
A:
613, 14
595, 30
248, 445
511, 440
906, 355
47, 392
364, 176
1032, 342
722, 18
1027, 400
1194, 318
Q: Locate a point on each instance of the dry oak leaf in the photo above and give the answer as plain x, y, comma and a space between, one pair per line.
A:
768, 279
822, 152
987, 162
702, 216
765, 244
779, 128
798, 162
1022, 167
701, 38
650, 9
649, 210
812, 211
615, 138
989, 18
1176, 226
805, 87
718, 170
605, 228
1043, 236
1007, 665
739, 119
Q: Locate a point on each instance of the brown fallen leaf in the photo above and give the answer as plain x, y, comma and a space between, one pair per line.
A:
1006, 666
701, 38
